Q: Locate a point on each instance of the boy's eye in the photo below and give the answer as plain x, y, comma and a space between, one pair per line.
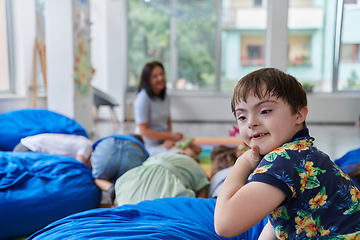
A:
241, 118
265, 111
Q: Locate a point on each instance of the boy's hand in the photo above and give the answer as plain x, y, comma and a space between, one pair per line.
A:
253, 156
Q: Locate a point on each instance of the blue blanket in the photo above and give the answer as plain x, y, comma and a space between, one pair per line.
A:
18, 124
167, 218
37, 189
347, 160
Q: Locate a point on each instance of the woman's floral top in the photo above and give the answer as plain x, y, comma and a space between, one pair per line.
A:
322, 202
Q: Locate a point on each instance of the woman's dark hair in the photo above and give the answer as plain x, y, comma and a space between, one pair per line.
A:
145, 79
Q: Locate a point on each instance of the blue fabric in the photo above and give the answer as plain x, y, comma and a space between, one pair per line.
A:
18, 124
167, 218
112, 157
37, 189
124, 137
350, 158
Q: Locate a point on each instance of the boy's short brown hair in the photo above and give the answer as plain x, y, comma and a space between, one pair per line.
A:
270, 82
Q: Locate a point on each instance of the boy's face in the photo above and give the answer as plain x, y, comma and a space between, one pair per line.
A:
268, 122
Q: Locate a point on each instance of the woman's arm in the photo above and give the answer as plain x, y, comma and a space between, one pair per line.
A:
239, 205
169, 122
145, 131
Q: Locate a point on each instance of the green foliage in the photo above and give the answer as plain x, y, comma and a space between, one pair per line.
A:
149, 39
353, 81
307, 84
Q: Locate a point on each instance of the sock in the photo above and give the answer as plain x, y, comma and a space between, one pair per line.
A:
111, 192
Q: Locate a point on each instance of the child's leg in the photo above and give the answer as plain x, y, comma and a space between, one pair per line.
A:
106, 186
85, 161
103, 184
21, 148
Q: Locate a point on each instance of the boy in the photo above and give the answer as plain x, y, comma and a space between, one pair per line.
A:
304, 194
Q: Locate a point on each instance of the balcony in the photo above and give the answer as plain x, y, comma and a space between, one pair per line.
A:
256, 18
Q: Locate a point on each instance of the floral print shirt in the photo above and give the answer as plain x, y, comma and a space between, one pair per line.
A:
321, 200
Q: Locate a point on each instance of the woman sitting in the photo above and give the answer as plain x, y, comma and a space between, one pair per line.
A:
152, 112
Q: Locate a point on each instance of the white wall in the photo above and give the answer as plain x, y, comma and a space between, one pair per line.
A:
109, 50
62, 95
339, 108
60, 56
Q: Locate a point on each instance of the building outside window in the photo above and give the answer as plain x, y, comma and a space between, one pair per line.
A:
252, 50
243, 29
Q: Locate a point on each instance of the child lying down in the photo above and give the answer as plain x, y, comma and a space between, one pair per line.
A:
112, 156
163, 175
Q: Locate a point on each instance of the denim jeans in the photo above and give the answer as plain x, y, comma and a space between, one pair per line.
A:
112, 157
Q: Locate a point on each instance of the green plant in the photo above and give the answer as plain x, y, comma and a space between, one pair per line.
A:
308, 84
353, 81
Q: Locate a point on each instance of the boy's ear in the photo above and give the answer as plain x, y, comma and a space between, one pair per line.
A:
302, 114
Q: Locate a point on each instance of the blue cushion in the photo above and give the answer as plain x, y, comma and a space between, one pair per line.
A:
167, 218
18, 124
348, 159
37, 189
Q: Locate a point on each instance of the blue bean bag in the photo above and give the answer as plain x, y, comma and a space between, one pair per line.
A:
167, 218
347, 160
18, 124
38, 189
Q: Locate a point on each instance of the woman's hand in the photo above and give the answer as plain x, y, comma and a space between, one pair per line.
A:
176, 136
168, 143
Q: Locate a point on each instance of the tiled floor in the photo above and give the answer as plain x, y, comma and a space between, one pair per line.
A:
335, 140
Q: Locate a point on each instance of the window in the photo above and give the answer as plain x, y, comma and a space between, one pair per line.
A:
299, 50
180, 34
243, 29
252, 53
40, 56
5, 47
350, 1
311, 42
349, 62
149, 36
349, 52
257, 3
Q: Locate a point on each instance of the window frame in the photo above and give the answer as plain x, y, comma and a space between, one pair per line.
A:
218, 53
9, 46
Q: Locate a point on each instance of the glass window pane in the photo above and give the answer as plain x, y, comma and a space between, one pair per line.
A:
311, 42
244, 24
149, 36
196, 32
41, 57
4, 49
150, 31
349, 65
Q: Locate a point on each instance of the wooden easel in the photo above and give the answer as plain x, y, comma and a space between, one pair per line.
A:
39, 48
